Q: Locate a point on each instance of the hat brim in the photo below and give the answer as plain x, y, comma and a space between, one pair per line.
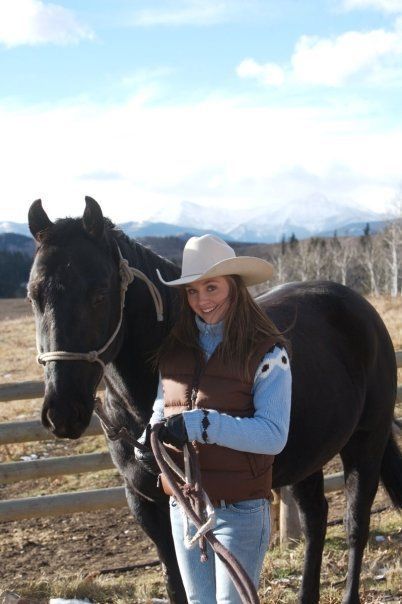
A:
252, 270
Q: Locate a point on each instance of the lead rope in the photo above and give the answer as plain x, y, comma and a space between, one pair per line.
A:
244, 585
127, 274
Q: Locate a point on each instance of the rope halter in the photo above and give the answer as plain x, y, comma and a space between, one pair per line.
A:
127, 274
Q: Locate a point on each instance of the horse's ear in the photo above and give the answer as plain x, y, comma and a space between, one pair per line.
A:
38, 220
93, 218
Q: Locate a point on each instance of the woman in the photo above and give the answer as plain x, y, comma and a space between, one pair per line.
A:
226, 384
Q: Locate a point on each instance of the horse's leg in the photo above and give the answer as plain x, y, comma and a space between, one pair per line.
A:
153, 516
155, 520
313, 511
361, 461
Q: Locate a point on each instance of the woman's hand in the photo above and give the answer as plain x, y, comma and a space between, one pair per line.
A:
146, 457
174, 431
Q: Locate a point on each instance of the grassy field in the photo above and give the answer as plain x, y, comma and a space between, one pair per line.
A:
63, 556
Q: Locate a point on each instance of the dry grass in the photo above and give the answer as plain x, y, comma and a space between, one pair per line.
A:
381, 573
390, 310
138, 586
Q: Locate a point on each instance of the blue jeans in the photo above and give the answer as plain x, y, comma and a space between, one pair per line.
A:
243, 528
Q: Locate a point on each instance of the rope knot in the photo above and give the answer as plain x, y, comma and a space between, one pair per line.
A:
92, 356
126, 274
190, 492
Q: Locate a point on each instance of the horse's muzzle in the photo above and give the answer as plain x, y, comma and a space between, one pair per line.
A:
66, 421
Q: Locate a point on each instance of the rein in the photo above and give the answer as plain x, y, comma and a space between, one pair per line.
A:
127, 274
195, 513
192, 498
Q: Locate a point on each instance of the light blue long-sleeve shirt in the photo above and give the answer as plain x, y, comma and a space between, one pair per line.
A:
267, 430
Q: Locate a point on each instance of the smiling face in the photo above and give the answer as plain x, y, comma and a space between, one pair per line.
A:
209, 298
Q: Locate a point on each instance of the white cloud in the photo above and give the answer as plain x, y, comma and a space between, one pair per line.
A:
136, 156
35, 22
387, 6
365, 56
332, 61
268, 73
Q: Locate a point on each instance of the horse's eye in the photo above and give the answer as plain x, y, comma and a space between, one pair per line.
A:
33, 300
98, 298
35, 295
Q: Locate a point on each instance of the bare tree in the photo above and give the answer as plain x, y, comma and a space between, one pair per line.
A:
342, 253
316, 252
370, 259
392, 244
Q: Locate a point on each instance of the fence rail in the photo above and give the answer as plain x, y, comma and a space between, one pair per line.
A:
99, 499
32, 430
21, 391
62, 503
54, 466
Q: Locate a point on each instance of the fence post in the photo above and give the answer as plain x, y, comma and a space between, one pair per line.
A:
290, 529
274, 515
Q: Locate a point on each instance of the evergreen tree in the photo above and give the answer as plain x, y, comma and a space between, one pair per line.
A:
283, 245
293, 241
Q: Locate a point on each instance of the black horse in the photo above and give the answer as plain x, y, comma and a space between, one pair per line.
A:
343, 364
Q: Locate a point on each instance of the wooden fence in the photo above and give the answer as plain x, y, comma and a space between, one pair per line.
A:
284, 514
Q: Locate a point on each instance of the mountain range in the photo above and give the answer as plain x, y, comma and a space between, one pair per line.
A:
315, 215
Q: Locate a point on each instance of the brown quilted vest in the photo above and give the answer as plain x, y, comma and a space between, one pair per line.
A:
226, 473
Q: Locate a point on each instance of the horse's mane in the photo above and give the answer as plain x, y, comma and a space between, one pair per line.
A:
148, 261
64, 230
143, 257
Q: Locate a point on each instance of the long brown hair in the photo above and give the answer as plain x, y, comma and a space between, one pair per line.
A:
246, 326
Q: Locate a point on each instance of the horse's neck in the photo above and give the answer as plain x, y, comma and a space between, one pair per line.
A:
131, 371
140, 308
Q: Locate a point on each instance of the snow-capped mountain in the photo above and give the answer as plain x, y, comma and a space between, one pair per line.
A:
315, 215
187, 213
15, 227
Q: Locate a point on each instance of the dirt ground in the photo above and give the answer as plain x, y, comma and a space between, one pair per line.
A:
76, 544
79, 543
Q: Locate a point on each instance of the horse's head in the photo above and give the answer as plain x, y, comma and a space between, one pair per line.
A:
74, 288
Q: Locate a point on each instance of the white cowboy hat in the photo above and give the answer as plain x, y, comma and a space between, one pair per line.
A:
209, 256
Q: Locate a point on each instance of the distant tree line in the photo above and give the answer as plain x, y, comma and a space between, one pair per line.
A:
370, 264
14, 271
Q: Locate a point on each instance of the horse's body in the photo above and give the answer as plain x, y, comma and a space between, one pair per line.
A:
343, 366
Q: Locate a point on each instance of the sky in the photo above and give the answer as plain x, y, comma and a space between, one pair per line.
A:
143, 104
